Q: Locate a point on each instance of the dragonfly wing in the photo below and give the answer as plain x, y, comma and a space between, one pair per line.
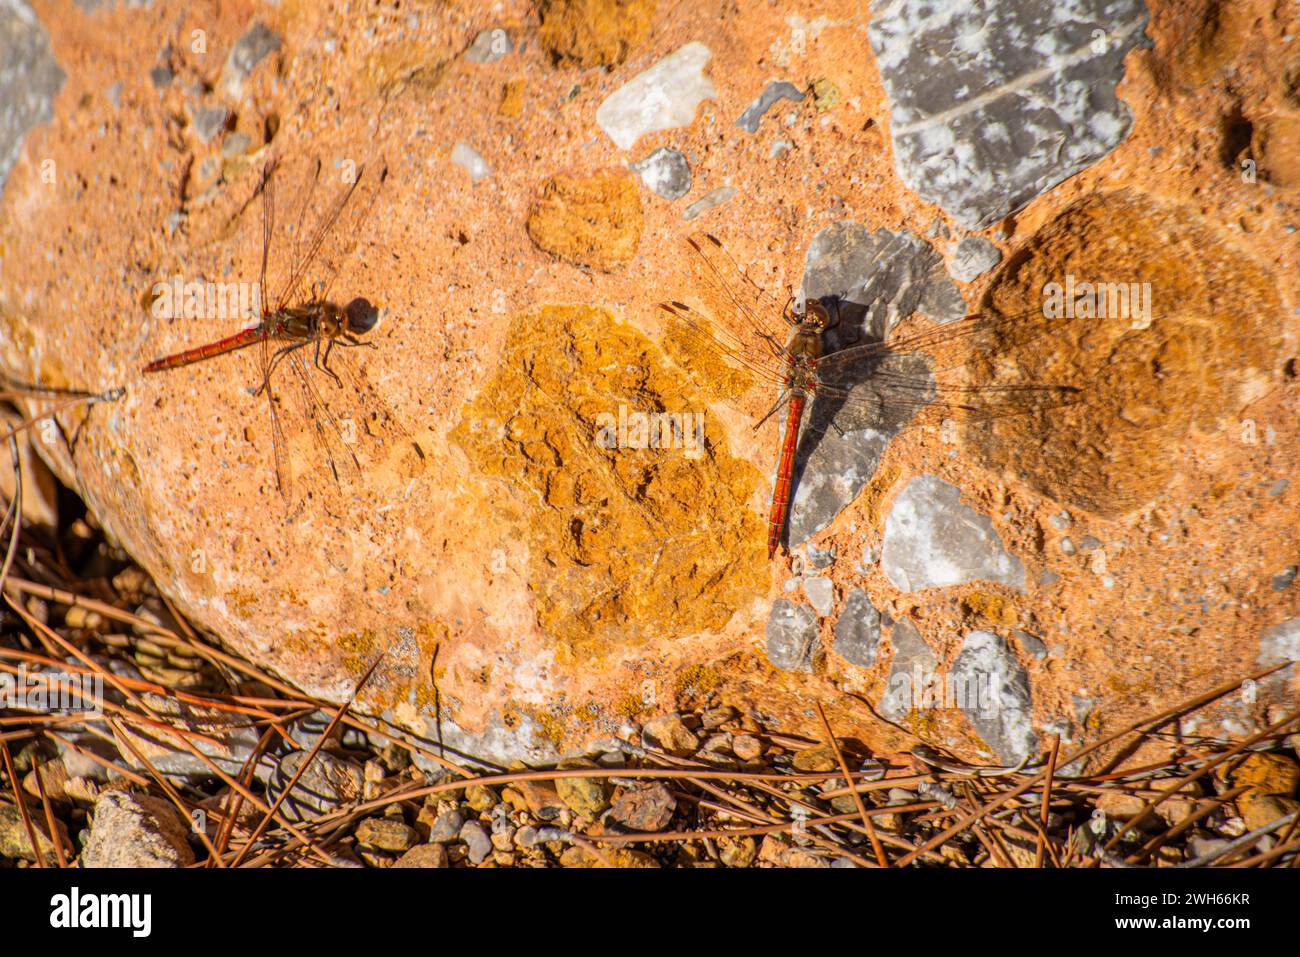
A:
759, 356
732, 295
950, 345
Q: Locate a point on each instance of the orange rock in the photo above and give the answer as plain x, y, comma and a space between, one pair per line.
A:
589, 220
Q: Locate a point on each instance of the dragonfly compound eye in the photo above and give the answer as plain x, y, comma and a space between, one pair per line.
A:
815, 313
362, 316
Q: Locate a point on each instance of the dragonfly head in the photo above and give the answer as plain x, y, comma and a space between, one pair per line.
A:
361, 316
815, 314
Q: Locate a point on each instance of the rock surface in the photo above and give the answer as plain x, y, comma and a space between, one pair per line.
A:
932, 540
983, 118
136, 830
532, 591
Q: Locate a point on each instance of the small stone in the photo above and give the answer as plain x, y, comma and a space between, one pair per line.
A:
793, 637
235, 145
424, 855
820, 758
912, 656
446, 827
503, 839
136, 830
489, 46
663, 97
715, 718
932, 540
541, 799
645, 809
471, 161
1273, 781
16, 842
738, 851
249, 50
327, 782
670, 735
820, 557
1032, 644
972, 258
746, 747
480, 798
992, 689
708, 201
666, 172
1283, 579
772, 93
476, 841
387, 834
209, 121
586, 797
857, 631
821, 594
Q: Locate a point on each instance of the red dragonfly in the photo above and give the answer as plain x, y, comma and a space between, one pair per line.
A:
887, 386
307, 339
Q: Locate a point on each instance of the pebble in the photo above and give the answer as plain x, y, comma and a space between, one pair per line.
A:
476, 841
480, 798
738, 851
857, 631
821, 594
746, 747
586, 797
249, 50
489, 46
670, 734
993, 692
15, 842
424, 855
666, 172
772, 93
708, 201
470, 160
662, 97
446, 827
136, 830
715, 718
645, 808
793, 637
932, 540
209, 121
387, 834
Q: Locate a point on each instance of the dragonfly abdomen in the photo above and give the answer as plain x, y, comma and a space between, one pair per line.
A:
784, 474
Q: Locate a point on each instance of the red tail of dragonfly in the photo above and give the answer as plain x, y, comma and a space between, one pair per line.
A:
302, 345
888, 386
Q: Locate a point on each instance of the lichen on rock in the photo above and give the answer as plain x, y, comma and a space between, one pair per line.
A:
626, 542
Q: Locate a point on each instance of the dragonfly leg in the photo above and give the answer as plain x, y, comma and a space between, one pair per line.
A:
322, 361
276, 358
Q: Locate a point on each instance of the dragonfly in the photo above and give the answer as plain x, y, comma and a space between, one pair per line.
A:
302, 344
885, 384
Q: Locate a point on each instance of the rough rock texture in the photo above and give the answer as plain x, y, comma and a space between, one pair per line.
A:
533, 590
29, 78
590, 221
993, 691
991, 103
136, 830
